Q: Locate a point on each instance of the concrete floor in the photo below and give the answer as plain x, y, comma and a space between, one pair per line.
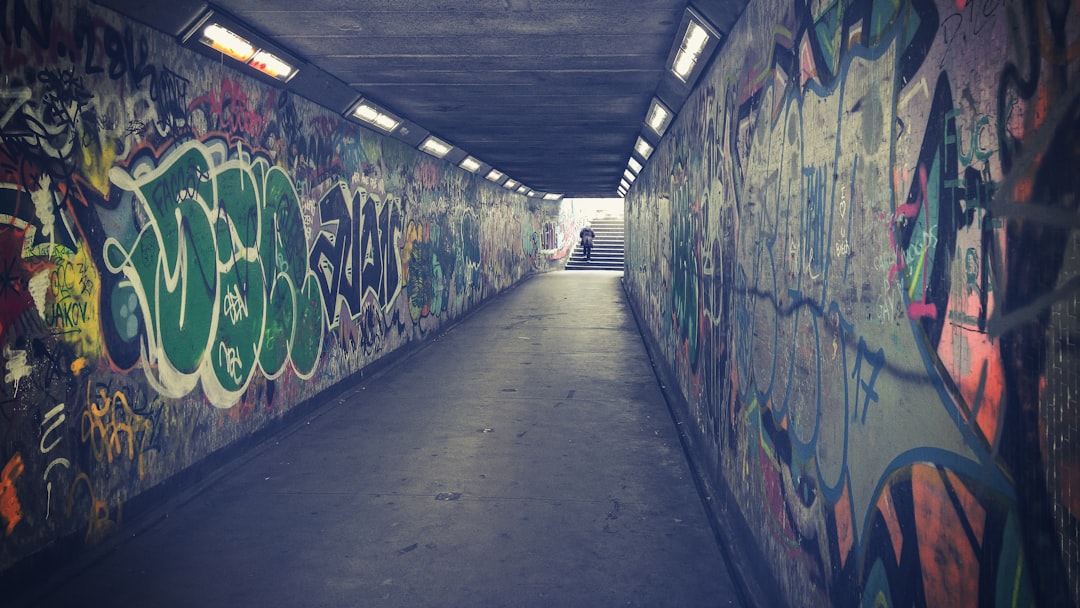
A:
524, 458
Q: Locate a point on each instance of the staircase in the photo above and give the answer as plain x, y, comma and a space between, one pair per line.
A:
608, 246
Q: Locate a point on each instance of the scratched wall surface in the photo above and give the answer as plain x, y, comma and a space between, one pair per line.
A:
858, 251
187, 254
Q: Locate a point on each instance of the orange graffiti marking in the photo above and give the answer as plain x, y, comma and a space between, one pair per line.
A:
990, 410
100, 524
976, 368
1023, 188
244, 408
972, 510
845, 529
888, 514
1043, 100
112, 428
1070, 478
10, 509
950, 567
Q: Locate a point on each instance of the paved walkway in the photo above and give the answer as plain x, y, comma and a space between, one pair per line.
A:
524, 458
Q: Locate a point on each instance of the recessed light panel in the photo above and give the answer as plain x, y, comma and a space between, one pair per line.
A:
368, 113
643, 148
225, 41
237, 42
272, 65
693, 43
435, 147
470, 164
659, 117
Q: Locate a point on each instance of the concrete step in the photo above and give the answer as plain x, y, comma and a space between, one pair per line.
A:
594, 265
609, 249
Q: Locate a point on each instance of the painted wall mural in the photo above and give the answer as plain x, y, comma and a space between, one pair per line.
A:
187, 254
866, 222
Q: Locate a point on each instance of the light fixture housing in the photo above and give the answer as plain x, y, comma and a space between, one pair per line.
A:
629, 176
470, 164
511, 184
376, 116
435, 146
695, 42
215, 31
551, 196
272, 65
635, 165
643, 148
625, 184
495, 175
522, 189
222, 39
659, 116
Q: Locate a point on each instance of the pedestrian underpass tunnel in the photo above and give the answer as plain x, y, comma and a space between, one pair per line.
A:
294, 309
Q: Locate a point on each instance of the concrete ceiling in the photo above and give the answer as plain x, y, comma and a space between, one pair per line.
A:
552, 93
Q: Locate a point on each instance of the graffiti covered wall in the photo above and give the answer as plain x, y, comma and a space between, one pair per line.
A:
858, 251
188, 254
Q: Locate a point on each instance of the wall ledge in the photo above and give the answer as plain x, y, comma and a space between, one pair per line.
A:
747, 565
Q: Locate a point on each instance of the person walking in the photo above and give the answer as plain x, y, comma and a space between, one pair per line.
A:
587, 235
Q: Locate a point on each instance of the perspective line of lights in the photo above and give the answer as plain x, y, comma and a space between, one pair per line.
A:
694, 42
219, 32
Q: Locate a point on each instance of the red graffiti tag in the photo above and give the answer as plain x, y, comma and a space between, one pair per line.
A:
228, 111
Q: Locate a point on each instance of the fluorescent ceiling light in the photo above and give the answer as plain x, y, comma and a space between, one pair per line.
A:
368, 113
511, 184
272, 65
225, 41
629, 175
693, 43
531, 192
522, 189
495, 175
659, 117
696, 41
635, 166
470, 164
552, 197
435, 146
643, 148
624, 183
